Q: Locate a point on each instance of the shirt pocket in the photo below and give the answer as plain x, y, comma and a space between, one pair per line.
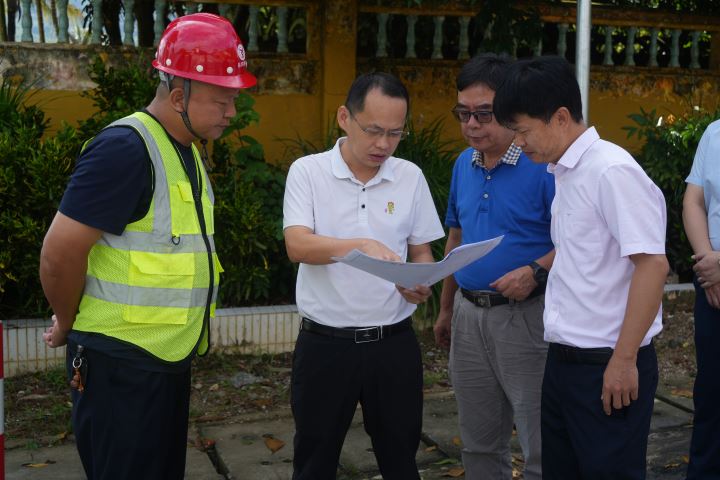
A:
583, 226
182, 206
159, 288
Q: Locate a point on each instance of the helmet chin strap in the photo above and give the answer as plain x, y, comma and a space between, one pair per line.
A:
186, 120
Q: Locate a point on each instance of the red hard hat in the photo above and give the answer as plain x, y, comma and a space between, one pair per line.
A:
204, 47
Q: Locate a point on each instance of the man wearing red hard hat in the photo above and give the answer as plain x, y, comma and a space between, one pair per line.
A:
128, 264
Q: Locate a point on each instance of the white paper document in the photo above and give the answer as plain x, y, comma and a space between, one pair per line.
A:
410, 274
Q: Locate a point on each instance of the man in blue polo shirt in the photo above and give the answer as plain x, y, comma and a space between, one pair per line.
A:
491, 312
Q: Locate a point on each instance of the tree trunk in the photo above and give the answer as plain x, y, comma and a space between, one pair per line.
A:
111, 21
40, 20
3, 31
54, 17
12, 9
146, 23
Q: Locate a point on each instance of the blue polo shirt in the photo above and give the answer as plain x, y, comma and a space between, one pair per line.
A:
510, 200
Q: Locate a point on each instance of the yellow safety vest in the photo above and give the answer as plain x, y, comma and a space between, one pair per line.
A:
155, 285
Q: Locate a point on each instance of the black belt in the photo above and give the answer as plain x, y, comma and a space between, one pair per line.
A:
593, 356
491, 299
359, 334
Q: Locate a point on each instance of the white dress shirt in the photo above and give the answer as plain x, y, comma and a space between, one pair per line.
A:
705, 174
605, 209
395, 208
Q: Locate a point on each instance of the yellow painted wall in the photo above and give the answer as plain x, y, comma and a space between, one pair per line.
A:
289, 116
285, 117
62, 105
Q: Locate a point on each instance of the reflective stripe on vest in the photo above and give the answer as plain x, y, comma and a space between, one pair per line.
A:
150, 285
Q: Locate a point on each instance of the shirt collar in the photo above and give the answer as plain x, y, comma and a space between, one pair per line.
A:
510, 157
577, 149
341, 170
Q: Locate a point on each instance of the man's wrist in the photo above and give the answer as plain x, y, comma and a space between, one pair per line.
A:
540, 273
625, 357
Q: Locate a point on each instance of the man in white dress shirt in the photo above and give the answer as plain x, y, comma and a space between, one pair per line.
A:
356, 342
604, 292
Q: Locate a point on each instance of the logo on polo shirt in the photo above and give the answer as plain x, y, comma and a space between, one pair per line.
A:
390, 208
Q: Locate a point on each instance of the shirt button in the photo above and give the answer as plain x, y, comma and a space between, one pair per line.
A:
485, 195
363, 205
488, 177
363, 189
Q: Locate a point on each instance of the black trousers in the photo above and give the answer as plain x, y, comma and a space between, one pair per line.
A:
705, 444
129, 423
330, 376
579, 441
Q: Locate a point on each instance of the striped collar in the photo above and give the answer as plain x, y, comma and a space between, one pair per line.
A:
510, 157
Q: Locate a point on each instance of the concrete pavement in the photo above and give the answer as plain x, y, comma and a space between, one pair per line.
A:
240, 447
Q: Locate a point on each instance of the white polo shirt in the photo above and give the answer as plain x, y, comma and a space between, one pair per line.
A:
605, 209
394, 207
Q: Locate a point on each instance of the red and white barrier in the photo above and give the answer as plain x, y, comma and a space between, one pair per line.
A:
2, 406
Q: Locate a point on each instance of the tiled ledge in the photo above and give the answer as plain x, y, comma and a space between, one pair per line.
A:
252, 330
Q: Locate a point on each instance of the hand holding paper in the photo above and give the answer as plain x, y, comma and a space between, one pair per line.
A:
408, 275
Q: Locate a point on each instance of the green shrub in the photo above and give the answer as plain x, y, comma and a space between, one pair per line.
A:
248, 217
120, 91
667, 156
33, 174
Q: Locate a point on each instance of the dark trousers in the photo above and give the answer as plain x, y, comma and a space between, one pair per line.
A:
579, 441
130, 424
330, 376
705, 444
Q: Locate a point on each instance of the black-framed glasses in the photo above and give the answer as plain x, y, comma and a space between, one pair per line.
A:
463, 116
377, 132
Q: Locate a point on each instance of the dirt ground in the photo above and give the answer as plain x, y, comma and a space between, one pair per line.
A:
37, 406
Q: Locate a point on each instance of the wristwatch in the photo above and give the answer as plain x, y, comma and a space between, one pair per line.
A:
540, 273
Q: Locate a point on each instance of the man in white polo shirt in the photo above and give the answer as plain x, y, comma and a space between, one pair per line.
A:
603, 296
356, 342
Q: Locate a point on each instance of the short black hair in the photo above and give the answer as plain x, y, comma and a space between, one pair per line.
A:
538, 87
388, 84
488, 69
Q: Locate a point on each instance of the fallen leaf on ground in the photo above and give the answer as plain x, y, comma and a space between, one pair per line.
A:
670, 466
38, 465
685, 459
682, 392
273, 444
262, 402
431, 448
214, 387
35, 396
456, 441
455, 472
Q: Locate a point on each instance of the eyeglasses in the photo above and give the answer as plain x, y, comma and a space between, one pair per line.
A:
376, 132
481, 116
